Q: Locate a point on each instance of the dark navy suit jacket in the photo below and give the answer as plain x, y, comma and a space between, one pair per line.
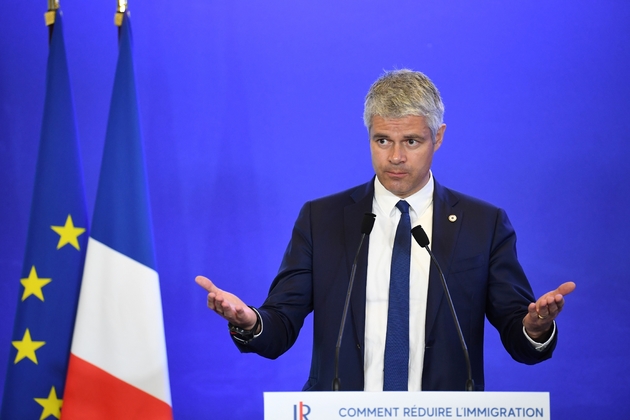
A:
477, 253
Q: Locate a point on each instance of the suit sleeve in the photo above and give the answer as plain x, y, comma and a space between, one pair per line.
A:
290, 297
509, 294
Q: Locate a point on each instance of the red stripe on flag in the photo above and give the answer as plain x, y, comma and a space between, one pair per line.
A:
92, 393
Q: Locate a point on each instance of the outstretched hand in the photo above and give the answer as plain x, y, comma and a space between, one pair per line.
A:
541, 314
227, 305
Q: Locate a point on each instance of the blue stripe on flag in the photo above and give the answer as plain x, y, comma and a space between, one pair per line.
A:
122, 218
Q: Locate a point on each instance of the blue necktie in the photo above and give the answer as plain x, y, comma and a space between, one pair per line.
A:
396, 371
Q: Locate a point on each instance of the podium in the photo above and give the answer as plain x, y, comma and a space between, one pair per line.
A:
406, 405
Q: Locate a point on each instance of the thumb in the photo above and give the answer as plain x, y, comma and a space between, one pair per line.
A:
206, 284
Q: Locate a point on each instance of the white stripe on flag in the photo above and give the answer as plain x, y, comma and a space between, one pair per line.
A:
119, 325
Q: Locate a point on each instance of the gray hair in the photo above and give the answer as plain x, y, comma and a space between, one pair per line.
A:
400, 93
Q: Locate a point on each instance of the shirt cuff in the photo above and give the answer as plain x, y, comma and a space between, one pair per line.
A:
540, 346
261, 322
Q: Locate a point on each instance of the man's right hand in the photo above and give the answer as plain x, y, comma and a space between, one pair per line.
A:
227, 305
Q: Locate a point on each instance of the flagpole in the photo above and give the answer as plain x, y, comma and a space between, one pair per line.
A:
49, 16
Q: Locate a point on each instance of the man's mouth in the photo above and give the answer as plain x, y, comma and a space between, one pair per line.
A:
396, 174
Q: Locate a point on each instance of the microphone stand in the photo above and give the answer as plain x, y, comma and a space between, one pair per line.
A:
366, 228
423, 240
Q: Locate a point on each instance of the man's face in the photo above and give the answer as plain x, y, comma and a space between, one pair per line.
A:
402, 152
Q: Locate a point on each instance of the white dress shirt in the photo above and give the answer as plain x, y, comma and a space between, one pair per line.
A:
377, 289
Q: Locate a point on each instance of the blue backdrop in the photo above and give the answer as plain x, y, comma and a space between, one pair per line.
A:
249, 109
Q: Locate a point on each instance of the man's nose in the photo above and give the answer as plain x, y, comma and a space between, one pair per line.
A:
398, 154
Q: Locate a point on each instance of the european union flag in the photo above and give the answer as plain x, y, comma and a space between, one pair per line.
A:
53, 262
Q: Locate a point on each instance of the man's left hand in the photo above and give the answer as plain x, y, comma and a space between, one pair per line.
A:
539, 320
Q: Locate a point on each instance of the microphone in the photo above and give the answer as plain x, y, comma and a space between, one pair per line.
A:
423, 240
366, 228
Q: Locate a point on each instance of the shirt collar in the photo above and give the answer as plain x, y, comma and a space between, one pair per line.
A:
418, 201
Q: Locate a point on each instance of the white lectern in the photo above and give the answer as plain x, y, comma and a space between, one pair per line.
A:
406, 405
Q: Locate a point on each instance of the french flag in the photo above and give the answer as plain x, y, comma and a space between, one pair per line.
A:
118, 366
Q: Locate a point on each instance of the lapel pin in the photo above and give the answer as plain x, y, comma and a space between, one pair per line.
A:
452, 218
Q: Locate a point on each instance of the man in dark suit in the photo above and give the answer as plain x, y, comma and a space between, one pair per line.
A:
472, 240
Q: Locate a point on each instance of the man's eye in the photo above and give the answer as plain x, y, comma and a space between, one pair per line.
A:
381, 141
412, 142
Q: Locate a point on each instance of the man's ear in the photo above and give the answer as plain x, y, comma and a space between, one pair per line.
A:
439, 136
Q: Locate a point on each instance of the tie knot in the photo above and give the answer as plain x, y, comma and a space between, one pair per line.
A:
403, 206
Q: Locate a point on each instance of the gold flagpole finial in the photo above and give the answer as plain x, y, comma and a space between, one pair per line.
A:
121, 9
53, 4
49, 16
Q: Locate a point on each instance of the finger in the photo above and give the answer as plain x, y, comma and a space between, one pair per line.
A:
551, 300
206, 284
533, 311
546, 309
565, 288
552, 310
541, 304
543, 308
219, 302
228, 312
559, 301
211, 301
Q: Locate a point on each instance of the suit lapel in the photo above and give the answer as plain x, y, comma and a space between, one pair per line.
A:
353, 216
447, 220
444, 239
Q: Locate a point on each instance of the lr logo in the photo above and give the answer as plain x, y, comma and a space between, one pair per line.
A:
301, 411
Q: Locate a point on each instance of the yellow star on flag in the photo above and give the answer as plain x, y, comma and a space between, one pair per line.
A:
68, 234
27, 347
52, 405
33, 285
